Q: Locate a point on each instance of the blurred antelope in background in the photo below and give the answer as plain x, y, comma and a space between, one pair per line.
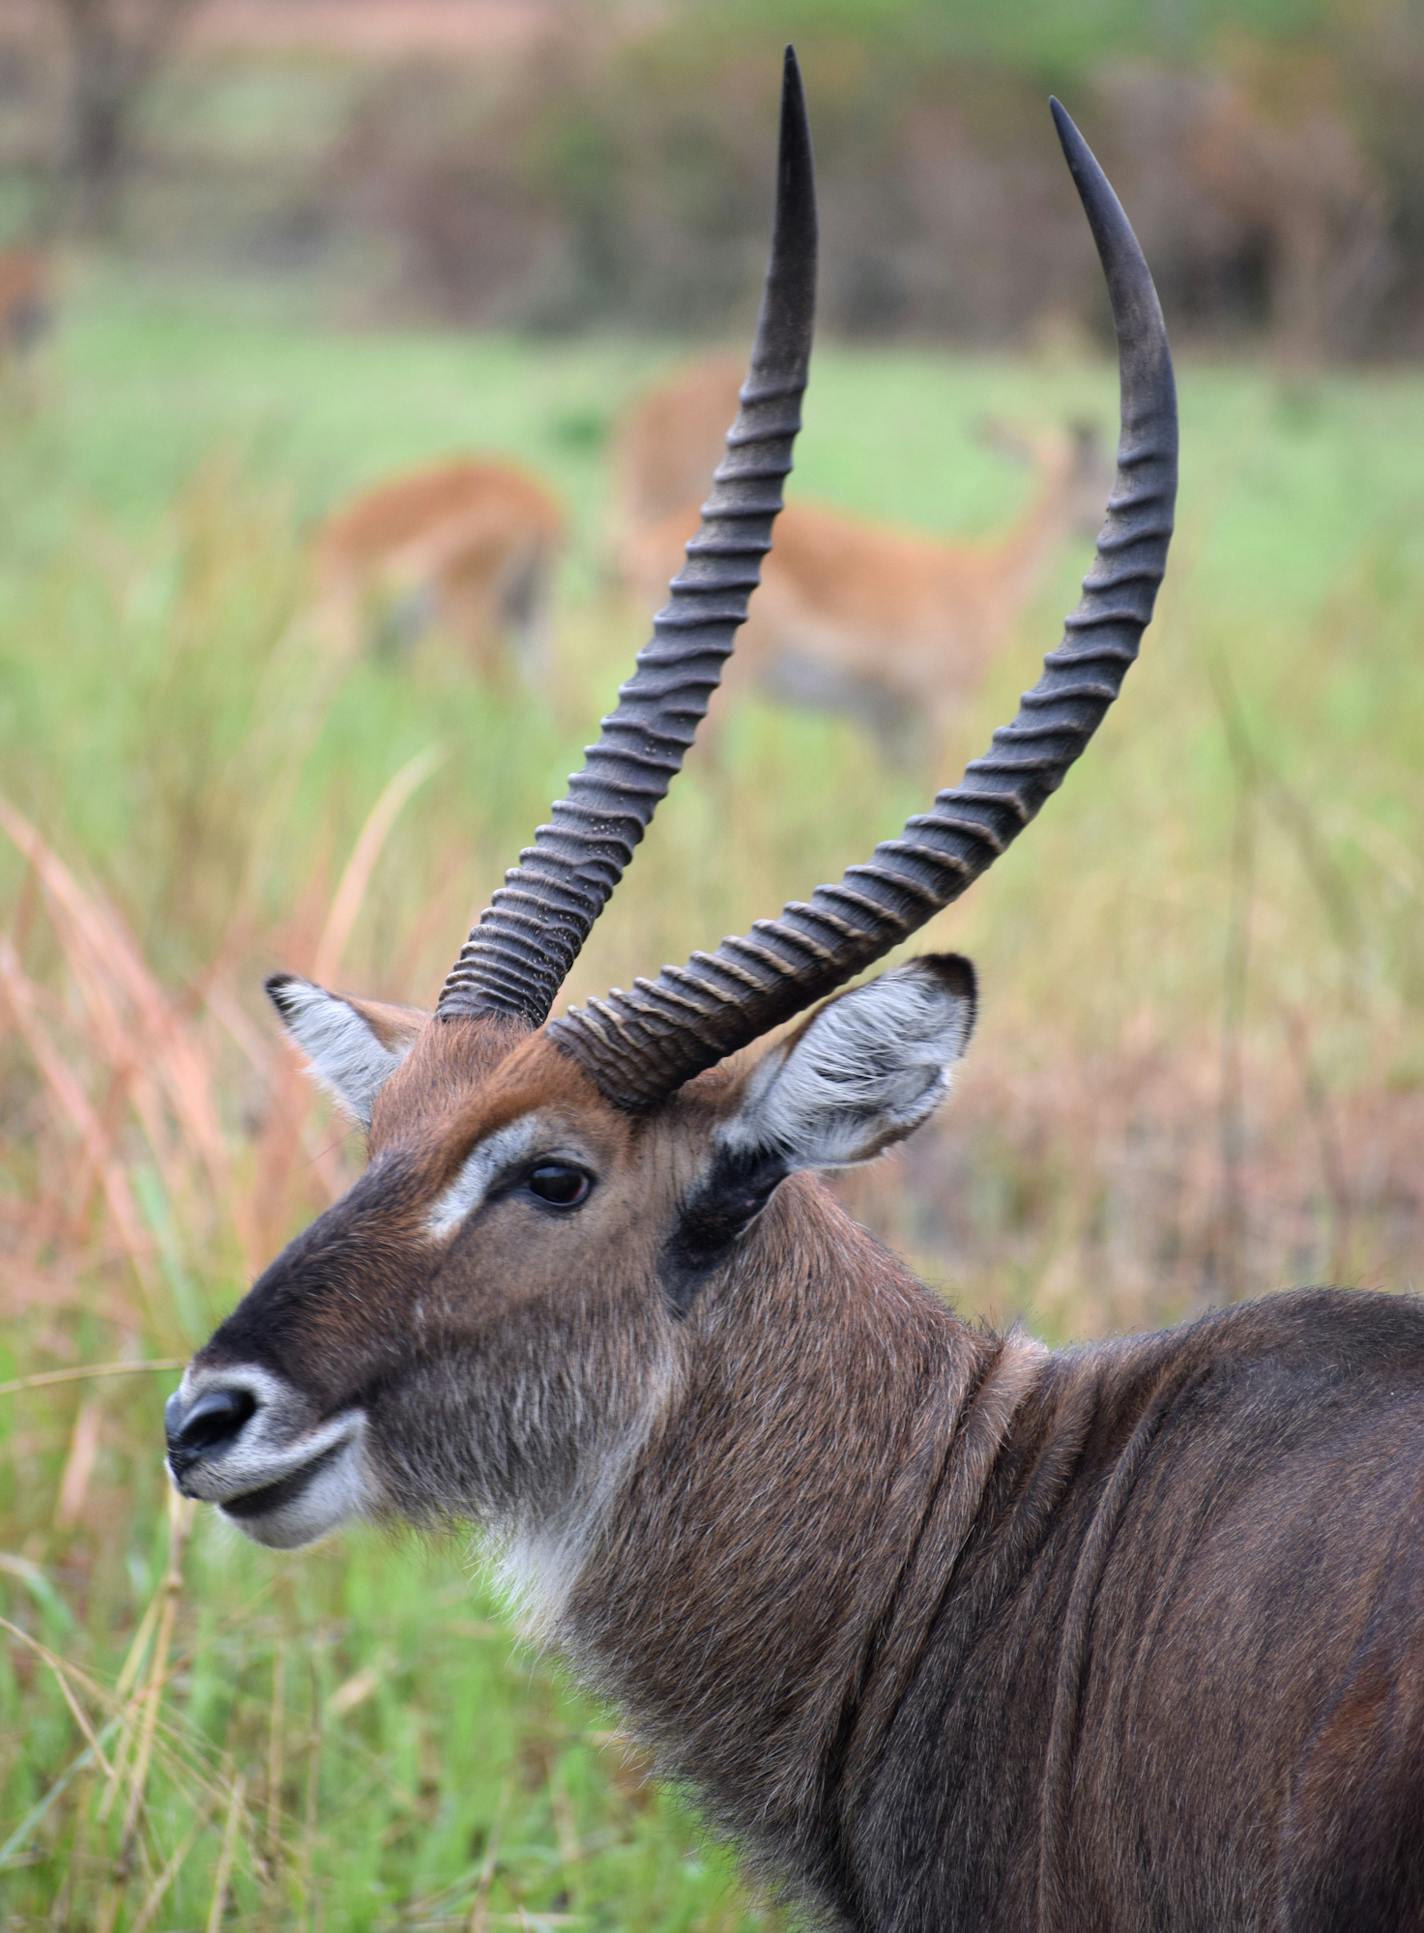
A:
26, 304
467, 547
893, 626
664, 443
955, 1632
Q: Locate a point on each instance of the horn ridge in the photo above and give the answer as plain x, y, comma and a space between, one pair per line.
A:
582, 853
662, 1033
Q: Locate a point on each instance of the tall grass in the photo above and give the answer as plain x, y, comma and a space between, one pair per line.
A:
1200, 1069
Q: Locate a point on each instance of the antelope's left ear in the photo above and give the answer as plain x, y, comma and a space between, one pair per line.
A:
863, 1072
352, 1046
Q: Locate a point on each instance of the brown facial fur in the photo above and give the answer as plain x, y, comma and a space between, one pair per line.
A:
541, 1324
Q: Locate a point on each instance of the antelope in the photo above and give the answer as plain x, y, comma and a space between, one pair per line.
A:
894, 626
666, 440
950, 1630
26, 302
468, 544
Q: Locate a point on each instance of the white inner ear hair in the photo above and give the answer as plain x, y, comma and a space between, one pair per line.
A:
481, 1167
870, 1067
344, 1055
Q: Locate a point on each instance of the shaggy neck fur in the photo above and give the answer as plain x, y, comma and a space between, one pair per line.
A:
751, 1608
912, 1606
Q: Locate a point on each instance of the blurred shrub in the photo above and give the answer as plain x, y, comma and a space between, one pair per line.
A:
612, 170
622, 180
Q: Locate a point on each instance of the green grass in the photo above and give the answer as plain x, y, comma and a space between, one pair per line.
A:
1200, 1064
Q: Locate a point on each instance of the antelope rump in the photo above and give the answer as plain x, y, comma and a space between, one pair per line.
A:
467, 545
949, 1630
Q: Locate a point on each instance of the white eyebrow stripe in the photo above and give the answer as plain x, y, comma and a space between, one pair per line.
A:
480, 1168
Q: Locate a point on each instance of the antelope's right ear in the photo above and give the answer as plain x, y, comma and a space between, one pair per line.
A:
352, 1046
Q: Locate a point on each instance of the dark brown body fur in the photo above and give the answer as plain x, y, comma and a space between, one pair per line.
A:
1120, 1638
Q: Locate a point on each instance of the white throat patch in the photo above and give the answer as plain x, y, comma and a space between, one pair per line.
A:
537, 1565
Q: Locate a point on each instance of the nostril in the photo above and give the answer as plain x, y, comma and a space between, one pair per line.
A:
215, 1418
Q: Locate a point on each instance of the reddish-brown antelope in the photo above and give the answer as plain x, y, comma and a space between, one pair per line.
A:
894, 627
26, 302
665, 442
951, 1631
467, 546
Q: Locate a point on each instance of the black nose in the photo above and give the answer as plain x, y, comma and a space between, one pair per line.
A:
213, 1421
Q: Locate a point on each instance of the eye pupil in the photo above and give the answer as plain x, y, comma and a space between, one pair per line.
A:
558, 1184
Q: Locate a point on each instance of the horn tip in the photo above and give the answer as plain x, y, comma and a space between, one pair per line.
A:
1076, 151
794, 225
795, 123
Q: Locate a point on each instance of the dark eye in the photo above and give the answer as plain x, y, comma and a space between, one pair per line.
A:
558, 1183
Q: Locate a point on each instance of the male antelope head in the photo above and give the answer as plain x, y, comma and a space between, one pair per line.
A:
492, 1321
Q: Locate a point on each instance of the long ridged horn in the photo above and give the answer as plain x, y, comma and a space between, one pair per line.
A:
638, 1047
520, 951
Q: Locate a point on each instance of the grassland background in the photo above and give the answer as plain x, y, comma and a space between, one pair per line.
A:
1200, 1070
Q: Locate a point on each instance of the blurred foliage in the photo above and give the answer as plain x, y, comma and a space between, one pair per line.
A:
1041, 37
609, 168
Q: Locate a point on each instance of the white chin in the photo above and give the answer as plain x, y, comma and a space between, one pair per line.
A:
306, 1504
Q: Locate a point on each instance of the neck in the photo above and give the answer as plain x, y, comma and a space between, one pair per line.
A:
1019, 557
750, 1590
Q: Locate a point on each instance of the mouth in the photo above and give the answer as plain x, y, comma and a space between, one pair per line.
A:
281, 1501
305, 1503
287, 1495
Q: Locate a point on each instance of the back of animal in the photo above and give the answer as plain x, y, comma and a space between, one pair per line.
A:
465, 546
